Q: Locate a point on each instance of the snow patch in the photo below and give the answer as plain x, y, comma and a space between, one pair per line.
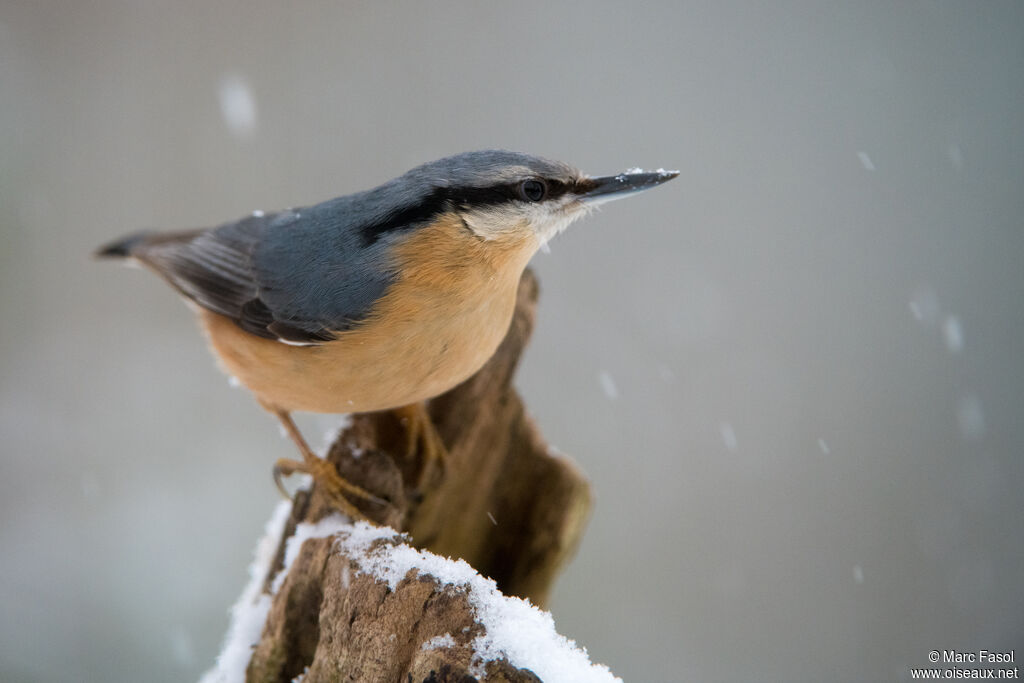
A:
332, 434
250, 612
438, 642
637, 170
515, 629
328, 526
555, 452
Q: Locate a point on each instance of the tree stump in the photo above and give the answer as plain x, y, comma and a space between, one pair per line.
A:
502, 500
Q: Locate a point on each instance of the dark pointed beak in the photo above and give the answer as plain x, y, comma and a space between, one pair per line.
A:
607, 188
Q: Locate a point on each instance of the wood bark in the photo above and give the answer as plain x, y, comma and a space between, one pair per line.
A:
501, 500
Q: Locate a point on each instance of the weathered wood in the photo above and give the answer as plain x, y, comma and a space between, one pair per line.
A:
502, 501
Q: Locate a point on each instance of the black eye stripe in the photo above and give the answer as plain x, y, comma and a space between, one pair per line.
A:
442, 199
471, 197
556, 188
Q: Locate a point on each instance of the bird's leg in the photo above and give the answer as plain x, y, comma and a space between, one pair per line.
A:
334, 486
421, 436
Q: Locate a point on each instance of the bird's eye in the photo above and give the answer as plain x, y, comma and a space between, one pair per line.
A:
533, 190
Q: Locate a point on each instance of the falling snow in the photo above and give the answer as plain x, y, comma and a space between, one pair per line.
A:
611, 390
953, 334
924, 306
182, 647
865, 161
237, 105
970, 418
90, 484
956, 157
728, 436
666, 373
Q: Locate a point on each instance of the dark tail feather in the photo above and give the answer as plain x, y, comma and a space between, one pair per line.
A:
123, 247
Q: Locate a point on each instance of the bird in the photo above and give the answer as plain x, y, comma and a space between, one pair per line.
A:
377, 300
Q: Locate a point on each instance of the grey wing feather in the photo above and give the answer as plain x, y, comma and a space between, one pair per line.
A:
284, 276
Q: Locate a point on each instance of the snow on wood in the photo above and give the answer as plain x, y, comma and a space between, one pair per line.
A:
250, 612
335, 600
513, 629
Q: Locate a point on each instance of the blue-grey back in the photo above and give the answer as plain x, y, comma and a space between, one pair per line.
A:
300, 275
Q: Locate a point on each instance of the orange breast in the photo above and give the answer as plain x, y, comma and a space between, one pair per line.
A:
438, 323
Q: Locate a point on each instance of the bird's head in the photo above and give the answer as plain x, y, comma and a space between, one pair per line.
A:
500, 195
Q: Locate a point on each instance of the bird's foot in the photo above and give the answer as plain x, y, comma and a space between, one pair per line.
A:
421, 438
334, 487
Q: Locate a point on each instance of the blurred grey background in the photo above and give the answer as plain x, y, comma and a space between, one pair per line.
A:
794, 374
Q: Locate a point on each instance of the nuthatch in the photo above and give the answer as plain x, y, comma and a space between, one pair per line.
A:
377, 300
